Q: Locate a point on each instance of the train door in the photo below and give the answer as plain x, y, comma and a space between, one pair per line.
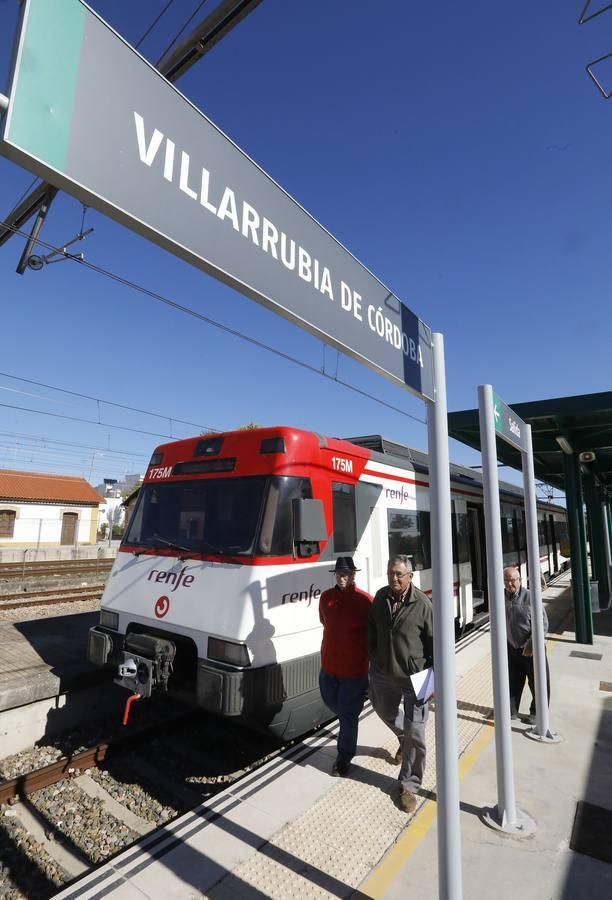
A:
478, 559
462, 573
553, 544
371, 536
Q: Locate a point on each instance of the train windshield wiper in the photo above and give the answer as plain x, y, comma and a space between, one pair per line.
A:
213, 548
171, 544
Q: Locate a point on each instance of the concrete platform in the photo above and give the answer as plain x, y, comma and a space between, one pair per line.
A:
41, 658
291, 830
46, 684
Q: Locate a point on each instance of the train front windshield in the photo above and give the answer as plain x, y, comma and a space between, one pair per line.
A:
244, 516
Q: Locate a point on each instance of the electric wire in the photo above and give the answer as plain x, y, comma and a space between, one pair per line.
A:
43, 412
46, 440
173, 304
106, 402
27, 191
154, 23
179, 33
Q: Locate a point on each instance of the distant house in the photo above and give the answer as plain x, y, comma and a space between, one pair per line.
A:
129, 503
39, 510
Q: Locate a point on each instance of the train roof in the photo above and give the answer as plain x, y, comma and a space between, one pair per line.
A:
386, 450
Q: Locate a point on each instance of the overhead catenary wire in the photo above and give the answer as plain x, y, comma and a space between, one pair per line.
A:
99, 400
47, 440
173, 304
154, 23
43, 412
27, 191
179, 33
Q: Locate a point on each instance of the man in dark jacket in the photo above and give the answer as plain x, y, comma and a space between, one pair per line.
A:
520, 649
343, 679
400, 644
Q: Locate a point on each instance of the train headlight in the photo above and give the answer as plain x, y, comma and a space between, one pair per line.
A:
109, 619
228, 652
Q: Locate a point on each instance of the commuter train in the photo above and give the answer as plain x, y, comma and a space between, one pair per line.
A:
216, 584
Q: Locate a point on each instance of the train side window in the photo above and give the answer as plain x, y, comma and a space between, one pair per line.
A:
345, 518
522, 533
507, 530
409, 533
542, 539
462, 539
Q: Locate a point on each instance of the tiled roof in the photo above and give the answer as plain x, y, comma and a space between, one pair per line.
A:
38, 486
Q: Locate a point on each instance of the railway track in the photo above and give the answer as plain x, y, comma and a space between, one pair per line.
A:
54, 567
60, 820
23, 599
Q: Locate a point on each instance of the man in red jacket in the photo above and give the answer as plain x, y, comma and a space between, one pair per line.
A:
343, 679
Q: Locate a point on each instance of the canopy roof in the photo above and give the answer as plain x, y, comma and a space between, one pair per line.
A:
585, 422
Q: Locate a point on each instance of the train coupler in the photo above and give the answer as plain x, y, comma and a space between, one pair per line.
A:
145, 664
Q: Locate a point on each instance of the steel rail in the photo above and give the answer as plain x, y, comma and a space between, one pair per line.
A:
25, 784
55, 592
50, 601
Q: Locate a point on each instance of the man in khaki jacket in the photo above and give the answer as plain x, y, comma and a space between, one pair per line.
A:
400, 644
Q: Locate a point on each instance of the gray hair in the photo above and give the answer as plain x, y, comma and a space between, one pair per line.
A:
402, 559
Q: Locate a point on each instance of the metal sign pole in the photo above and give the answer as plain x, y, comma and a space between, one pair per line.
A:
541, 731
447, 772
505, 816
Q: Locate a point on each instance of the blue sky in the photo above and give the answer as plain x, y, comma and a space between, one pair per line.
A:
459, 151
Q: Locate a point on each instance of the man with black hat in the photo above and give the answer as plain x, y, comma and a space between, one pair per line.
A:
343, 679
400, 642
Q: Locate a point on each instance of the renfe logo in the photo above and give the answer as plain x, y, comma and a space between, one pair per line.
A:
173, 578
162, 606
402, 495
302, 596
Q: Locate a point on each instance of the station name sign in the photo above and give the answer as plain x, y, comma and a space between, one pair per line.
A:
107, 127
508, 425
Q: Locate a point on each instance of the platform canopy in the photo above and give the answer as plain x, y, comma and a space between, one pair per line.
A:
559, 426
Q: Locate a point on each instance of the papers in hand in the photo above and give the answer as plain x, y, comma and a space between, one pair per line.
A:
423, 684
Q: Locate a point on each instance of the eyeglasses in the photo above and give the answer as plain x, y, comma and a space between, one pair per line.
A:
398, 575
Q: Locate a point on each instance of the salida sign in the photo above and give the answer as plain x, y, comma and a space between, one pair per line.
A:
108, 128
507, 424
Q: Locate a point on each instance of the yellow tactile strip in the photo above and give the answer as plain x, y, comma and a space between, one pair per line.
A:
331, 848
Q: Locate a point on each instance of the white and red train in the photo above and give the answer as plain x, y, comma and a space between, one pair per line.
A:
216, 584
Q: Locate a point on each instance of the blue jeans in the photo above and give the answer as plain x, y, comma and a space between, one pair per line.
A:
345, 697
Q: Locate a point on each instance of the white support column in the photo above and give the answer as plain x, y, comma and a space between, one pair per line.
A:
505, 816
447, 768
541, 732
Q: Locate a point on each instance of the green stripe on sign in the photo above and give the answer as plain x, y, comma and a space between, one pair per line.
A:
44, 92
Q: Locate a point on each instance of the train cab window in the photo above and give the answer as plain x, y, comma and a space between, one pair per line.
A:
276, 534
345, 518
215, 515
409, 533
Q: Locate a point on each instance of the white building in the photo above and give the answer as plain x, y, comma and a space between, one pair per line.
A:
39, 510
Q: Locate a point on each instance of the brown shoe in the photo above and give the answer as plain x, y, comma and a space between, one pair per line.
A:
408, 801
